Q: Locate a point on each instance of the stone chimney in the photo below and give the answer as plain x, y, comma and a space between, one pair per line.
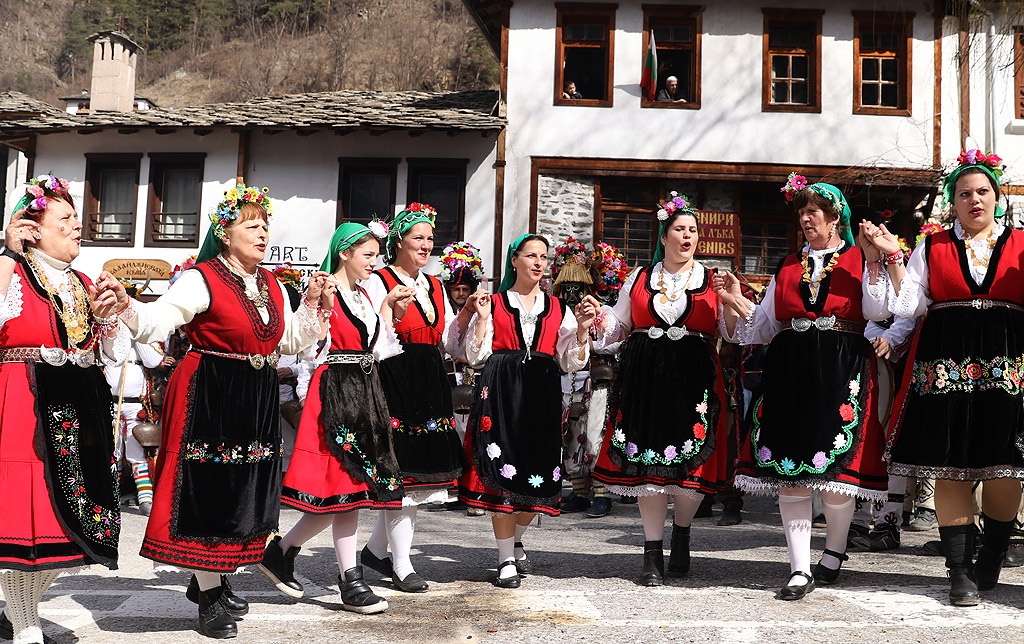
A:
113, 71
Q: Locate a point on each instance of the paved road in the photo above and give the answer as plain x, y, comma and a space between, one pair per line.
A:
582, 590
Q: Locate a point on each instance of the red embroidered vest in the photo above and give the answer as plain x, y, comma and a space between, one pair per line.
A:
949, 275
348, 333
233, 323
508, 331
414, 327
701, 313
38, 325
839, 295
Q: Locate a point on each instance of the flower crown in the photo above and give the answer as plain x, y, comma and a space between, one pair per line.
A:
461, 255
673, 203
288, 275
426, 210
43, 185
572, 252
176, 272
230, 207
931, 226
609, 267
794, 184
975, 157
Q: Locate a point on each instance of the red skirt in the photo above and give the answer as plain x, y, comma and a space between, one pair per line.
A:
31, 537
316, 481
159, 545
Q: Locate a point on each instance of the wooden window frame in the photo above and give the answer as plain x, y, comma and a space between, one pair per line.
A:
905, 83
600, 11
1018, 72
456, 166
348, 165
682, 13
813, 17
158, 162
94, 164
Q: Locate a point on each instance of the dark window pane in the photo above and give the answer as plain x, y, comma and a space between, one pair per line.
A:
575, 32
662, 34
799, 93
790, 35
799, 67
890, 70
180, 190
444, 193
681, 34
780, 92
869, 94
869, 69
369, 196
780, 66
890, 96
117, 191
595, 32
586, 67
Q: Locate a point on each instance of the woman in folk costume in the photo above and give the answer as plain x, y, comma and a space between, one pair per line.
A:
959, 415
218, 477
514, 439
666, 411
344, 459
816, 425
418, 391
58, 478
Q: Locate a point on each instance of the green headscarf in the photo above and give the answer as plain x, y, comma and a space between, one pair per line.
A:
413, 214
211, 247
659, 252
949, 183
835, 197
508, 278
344, 236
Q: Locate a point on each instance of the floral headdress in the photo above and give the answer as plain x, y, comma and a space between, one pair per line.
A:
572, 263
931, 226
288, 275
413, 214
794, 184
666, 209
458, 257
38, 189
176, 272
609, 269
990, 164
230, 207
797, 183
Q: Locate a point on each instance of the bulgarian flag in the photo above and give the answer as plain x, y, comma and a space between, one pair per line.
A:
649, 78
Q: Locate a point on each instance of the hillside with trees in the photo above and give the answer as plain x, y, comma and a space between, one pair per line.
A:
199, 51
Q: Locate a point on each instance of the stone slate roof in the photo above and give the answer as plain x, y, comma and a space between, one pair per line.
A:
345, 110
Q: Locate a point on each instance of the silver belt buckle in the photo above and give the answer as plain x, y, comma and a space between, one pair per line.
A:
82, 359
981, 304
53, 356
256, 360
676, 333
800, 324
825, 324
273, 359
655, 332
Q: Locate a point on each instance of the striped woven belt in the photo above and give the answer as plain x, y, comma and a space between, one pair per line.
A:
257, 360
50, 355
979, 303
673, 333
830, 323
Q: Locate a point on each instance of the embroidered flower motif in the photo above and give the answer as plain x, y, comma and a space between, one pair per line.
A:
556, 475
648, 456
508, 470
485, 424
535, 480
854, 387
702, 408
846, 411
484, 393
788, 465
631, 449
620, 436
819, 461
840, 441
973, 371
432, 425
699, 431
395, 423
687, 446
764, 455
671, 452
494, 451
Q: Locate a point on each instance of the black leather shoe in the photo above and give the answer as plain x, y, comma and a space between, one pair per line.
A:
573, 503
373, 562
679, 556
279, 567
826, 575
653, 573
234, 604
958, 546
730, 515
963, 589
600, 507
1014, 556
412, 583
794, 592
511, 581
356, 595
214, 620
524, 565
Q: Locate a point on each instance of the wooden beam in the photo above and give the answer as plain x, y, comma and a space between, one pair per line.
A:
378, 132
127, 130
415, 133
343, 131
202, 131
243, 156
270, 132
937, 93
499, 203
965, 83
162, 131
306, 131
89, 130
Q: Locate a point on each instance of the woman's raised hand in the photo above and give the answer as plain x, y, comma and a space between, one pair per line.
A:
399, 300
21, 230
879, 237
107, 297
327, 288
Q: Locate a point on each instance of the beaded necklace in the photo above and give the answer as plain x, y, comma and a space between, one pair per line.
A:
420, 284
990, 241
815, 285
673, 294
261, 299
76, 320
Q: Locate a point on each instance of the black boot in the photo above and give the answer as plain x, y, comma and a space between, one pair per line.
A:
279, 567
357, 596
958, 546
995, 540
653, 573
234, 604
214, 620
679, 558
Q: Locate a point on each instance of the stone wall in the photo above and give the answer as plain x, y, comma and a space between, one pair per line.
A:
565, 207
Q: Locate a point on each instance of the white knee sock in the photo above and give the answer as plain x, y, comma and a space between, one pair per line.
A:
653, 510
378, 541
345, 526
506, 549
892, 511
401, 524
796, 521
207, 580
23, 591
684, 507
838, 511
520, 553
862, 513
307, 527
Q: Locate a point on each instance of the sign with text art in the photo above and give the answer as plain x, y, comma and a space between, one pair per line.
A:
719, 234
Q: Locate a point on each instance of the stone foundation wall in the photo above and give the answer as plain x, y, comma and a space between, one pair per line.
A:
565, 207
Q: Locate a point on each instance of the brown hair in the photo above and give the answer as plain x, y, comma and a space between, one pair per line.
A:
530, 238
37, 215
679, 213
250, 210
977, 170
808, 196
